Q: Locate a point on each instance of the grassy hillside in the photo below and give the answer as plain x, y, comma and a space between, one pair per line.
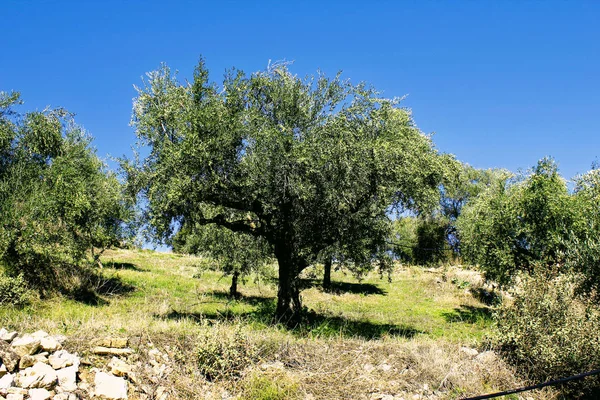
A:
366, 339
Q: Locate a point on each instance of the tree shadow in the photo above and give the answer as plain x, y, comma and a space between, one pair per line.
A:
487, 296
313, 323
469, 314
123, 265
220, 296
112, 286
339, 288
336, 325
87, 296
97, 287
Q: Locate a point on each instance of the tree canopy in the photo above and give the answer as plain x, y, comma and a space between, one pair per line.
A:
58, 202
305, 164
519, 223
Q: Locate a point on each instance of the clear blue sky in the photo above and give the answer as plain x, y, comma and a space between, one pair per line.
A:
502, 83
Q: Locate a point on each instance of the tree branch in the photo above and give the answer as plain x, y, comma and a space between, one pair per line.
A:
242, 226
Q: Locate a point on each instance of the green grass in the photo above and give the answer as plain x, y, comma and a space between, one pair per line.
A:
414, 325
157, 288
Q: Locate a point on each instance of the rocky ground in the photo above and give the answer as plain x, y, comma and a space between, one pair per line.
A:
35, 366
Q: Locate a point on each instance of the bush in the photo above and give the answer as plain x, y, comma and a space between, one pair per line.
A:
58, 202
519, 224
13, 290
225, 354
276, 385
550, 333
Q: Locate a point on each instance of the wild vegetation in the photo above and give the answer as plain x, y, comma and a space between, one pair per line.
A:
364, 263
59, 205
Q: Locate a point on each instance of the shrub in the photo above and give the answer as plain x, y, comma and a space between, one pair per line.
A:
550, 333
225, 354
13, 290
270, 386
519, 224
58, 202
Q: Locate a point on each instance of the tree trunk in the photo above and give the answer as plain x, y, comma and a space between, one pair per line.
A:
327, 275
289, 307
233, 292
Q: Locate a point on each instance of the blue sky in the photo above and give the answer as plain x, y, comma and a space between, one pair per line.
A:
501, 83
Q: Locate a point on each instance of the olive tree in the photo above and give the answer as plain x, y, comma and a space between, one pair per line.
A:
582, 246
519, 224
58, 203
294, 161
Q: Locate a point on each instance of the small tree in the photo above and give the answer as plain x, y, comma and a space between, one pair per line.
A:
582, 246
519, 225
57, 200
237, 254
303, 158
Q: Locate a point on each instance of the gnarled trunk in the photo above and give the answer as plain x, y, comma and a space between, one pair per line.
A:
327, 274
289, 307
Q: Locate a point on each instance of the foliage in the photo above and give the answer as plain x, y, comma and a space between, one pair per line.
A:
270, 386
519, 224
403, 238
306, 164
462, 183
222, 356
431, 246
236, 254
550, 333
13, 290
57, 201
582, 246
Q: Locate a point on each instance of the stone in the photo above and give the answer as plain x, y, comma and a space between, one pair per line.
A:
39, 376
50, 344
67, 378
60, 339
25, 345
486, 357
62, 359
7, 336
7, 381
273, 365
27, 361
385, 367
17, 390
468, 351
39, 394
117, 343
119, 367
3, 370
109, 386
8, 356
14, 396
65, 396
161, 393
42, 357
40, 334
111, 351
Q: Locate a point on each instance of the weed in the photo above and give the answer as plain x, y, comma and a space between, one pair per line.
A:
13, 290
275, 385
225, 354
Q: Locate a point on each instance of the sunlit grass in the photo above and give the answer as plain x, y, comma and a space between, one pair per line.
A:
415, 323
167, 289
